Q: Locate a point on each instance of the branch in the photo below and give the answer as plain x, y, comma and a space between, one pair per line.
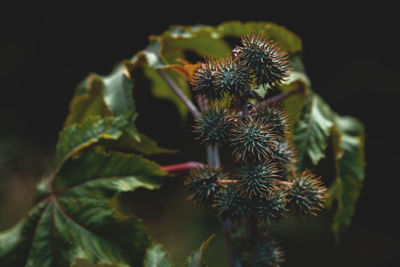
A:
233, 259
187, 166
279, 97
189, 104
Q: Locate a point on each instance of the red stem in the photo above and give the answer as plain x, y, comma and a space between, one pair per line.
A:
181, 167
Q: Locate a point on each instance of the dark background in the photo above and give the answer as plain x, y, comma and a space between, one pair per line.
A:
350, 54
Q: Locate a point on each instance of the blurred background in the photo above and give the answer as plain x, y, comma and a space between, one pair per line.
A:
350, 54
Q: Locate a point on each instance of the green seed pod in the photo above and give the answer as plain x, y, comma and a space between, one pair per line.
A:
253, 139
213, 127
275, 115
257, 179
283, 155
306, 195
267, 61
203, 80
229, 204
233, 77
260, 251
203, 186
271, 208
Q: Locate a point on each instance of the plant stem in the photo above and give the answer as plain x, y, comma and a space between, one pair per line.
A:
282, 96
213, 160
213, 157
279, 97
233, 259
252, 225
192, 108
186, 166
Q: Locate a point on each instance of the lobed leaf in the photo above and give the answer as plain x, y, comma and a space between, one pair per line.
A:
75, 219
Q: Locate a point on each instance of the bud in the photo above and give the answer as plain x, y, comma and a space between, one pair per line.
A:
271, 208
253, 140
203, 186
267, 61
261, 251
257, 179
306, 195
229, 204
275, 115
233, 77
213, 127
203, 80
283, 155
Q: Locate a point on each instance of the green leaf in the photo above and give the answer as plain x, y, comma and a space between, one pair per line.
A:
350, 164
288, 40
88, 101
118, 97
146, 146
196, 258
75, 220
295, 103
105, 96
201, 39
15, 243
77, 137
152, 53
311, 132
156, 256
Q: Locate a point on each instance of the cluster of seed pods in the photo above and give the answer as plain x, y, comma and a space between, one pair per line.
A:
264, 185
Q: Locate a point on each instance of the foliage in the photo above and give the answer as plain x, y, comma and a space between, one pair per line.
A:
100, 152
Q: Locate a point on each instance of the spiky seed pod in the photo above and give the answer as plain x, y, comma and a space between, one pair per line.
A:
283, 155
306, 195
261, 251
253, 139
275, 114
268, 62
203, 80
257, 179
203, 186
271, 208
213, 127
229, 204
233, 77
